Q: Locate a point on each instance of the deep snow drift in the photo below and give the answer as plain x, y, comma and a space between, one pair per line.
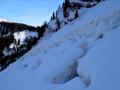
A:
83, 55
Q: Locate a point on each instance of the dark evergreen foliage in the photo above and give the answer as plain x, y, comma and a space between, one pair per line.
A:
58, 23
41, 29
65, 7
76, 14
53, 16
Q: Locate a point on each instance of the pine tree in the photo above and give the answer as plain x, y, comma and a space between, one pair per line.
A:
53, 16
65, 7
66, 1
15, 41
99, 0
58, 23
18, 42
76, 14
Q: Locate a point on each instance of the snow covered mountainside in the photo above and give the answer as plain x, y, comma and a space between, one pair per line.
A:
83, 55
15, 40
67, 13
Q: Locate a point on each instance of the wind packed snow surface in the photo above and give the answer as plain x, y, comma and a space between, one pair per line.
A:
83, 55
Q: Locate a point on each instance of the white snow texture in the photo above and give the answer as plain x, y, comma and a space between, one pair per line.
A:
83, 55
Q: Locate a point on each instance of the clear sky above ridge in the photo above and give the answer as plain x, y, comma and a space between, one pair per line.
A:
32, 12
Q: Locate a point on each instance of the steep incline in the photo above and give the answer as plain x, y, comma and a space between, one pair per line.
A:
67, 13
74, 57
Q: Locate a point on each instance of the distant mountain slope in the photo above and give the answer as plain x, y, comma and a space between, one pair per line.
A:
15, 40
83, 55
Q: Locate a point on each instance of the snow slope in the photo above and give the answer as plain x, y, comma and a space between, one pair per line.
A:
101, 64
83, 55
66, 13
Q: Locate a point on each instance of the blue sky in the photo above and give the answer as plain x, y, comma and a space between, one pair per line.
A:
32, 12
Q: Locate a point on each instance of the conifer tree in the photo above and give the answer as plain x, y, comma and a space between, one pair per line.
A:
58, 23
18, 42
53, 16
65, 7
66, 1
76, 14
